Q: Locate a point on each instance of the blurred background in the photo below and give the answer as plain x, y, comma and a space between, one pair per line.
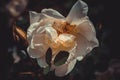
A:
102, 63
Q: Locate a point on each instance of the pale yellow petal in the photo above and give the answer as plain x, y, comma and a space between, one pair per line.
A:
34, 16
42, 62
51, 33
78, 11
37, 46
52, 13
70, 66
87, 30
31, 30
65, 69
67, 40
60, 71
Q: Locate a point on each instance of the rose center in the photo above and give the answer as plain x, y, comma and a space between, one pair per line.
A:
63, 27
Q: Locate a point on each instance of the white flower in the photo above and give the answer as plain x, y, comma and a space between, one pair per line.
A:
75, 34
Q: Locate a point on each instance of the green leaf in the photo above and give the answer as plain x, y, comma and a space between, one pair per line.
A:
48, 56
61, 58
46, 70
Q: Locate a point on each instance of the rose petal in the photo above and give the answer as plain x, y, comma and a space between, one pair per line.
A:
61, 70
31, 29
38, 50
51, 33
37, 46
34, 16
67, 40
78, 11
70, 66
83, 46
37, 17
86, 29
79, 58
65, 68
52, 13
42, 62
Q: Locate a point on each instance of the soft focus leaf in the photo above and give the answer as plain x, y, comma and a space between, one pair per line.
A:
46, 70
48, 56
61, 58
